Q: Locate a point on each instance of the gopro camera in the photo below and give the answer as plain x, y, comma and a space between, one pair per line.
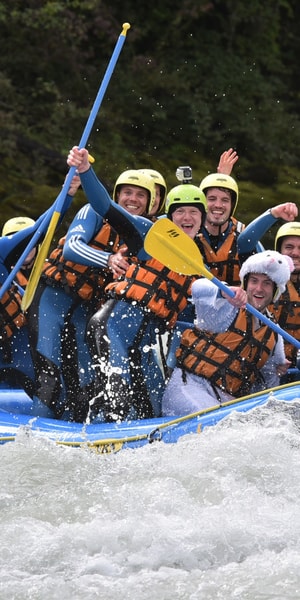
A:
184, 174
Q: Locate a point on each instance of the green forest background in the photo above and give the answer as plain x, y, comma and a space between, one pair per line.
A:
194, 78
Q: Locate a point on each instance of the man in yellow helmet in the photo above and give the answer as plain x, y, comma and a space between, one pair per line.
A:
220, 231
16, 367
9, 228
160, 192
72, 288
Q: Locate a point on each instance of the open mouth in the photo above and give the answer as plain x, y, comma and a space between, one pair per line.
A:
132, 207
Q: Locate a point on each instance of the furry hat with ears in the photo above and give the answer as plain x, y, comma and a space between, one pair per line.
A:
276, 266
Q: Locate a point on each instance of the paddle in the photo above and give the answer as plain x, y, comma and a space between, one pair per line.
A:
44, 250
52, 217
60, 201
171, 246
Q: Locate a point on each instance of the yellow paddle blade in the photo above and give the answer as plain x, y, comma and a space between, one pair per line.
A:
39, 262
172, 247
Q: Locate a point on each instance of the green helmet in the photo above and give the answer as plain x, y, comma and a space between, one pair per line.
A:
16, 224
140, 179
219, 180
159, 180
185, 194
285, 230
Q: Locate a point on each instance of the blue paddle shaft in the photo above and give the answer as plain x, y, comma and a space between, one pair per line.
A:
59, 203
258, 314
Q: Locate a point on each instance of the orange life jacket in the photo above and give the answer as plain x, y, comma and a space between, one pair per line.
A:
230, 360
164, 292
81, 280
287, 314
11, 315
224, 263
22, 279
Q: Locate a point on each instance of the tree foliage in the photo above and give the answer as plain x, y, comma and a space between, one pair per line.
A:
193, 79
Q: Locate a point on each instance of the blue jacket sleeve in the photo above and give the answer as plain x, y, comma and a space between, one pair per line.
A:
251, 235
83, 229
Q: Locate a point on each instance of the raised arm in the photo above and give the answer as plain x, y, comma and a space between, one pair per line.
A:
252, 234
131, 228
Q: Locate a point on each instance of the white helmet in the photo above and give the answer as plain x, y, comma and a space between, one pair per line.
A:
276, 266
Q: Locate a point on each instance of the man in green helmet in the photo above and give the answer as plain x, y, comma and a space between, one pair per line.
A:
145, 305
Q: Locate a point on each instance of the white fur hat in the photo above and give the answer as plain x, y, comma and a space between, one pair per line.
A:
276, 266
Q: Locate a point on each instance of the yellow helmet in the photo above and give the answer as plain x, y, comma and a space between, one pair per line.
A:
159, 180
184, 194
140, 179
292, 228
219, 180
16, 224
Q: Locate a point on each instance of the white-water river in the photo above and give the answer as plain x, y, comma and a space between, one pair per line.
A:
214, 517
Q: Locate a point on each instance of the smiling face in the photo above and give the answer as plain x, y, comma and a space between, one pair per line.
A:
188, 218
133, 198
290, 246
219, 206
260, 290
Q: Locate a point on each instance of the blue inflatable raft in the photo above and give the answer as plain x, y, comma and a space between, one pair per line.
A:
112, 437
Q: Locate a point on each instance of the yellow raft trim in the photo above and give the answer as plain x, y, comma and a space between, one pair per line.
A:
102, 446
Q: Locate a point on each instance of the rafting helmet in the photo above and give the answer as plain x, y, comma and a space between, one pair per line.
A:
16, 224
160, 181
276, 266
219, 180
285, 230
185, 194
140, 179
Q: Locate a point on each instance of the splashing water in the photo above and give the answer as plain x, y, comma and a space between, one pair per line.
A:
215, 516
